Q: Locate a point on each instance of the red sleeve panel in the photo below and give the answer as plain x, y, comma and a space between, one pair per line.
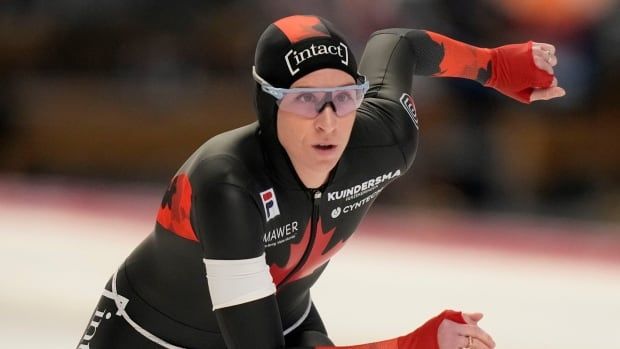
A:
174, 213
510, 69
461, 60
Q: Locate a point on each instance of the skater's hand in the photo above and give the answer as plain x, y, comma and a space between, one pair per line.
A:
453, 335
525, 71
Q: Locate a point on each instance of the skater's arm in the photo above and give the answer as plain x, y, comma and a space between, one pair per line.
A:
521, 71
448, 330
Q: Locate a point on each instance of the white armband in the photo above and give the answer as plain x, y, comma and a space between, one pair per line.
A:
234, 282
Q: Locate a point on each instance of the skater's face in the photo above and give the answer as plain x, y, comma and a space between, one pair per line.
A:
315, 144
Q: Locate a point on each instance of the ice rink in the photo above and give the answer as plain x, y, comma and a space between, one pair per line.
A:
541, 284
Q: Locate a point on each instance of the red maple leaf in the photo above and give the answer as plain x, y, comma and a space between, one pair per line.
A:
297, 28
318, 255
296, 252
174, 213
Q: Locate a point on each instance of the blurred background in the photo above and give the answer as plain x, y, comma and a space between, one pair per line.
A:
101, 102
126, 90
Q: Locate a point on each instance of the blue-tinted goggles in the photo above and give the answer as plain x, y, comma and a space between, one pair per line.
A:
308, 102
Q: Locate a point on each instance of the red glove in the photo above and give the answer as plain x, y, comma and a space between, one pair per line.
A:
425, 337
514, 72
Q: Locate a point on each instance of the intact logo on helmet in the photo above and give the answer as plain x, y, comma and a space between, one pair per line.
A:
270, 204
294, 58
407, 103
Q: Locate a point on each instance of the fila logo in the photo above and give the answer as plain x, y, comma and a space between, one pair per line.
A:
270, 204
407, 102
294, 58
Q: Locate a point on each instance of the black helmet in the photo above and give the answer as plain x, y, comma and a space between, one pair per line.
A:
291, 48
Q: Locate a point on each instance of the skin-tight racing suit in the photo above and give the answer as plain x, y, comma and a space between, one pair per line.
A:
238, 198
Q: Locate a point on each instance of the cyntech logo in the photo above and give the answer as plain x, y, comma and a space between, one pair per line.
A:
362, 188
294, 58
354, 206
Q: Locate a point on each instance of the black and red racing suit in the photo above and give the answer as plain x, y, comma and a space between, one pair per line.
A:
238, 197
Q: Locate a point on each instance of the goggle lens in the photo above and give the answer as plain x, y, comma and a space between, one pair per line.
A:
309, 104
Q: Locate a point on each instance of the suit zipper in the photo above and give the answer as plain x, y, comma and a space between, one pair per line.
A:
316, 200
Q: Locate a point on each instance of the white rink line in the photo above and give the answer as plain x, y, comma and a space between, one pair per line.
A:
55, 264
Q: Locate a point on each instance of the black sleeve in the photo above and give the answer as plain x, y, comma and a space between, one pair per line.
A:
393, 56
229, 227
228, 224
389, 62
252, 325
226, 218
